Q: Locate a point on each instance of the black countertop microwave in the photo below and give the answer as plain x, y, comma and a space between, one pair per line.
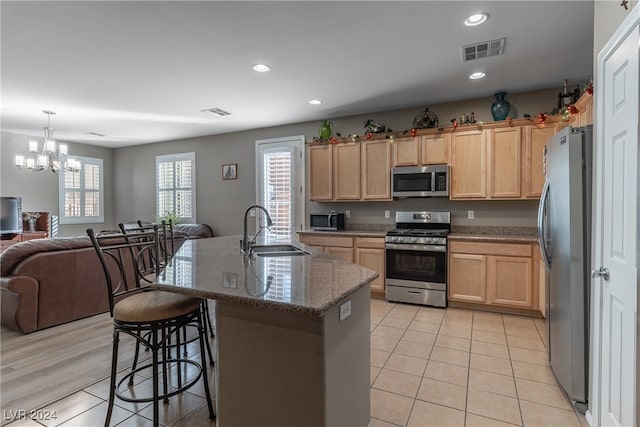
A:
421, 181
327, 221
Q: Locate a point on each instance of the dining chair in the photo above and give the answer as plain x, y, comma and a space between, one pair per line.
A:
151, 317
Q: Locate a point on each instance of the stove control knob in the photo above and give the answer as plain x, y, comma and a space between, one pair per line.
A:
394, 239
400, 239
414, 239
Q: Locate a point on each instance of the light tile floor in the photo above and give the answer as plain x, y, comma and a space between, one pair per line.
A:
429, 367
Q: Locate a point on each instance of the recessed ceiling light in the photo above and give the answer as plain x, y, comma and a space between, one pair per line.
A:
261, 68
216, 111
476, 76
476, 19
315, 102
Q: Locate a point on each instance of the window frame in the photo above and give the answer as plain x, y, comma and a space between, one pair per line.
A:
166, 158
82, 219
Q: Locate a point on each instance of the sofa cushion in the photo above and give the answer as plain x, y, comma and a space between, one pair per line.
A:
15, 254
192, 231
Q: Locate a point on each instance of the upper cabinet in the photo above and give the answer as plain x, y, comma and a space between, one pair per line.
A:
432, 149
585, 111
350, 171
495, 161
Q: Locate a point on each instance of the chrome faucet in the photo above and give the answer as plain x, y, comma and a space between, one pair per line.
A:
246, 243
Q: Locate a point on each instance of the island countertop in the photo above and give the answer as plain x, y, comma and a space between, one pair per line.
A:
215, 268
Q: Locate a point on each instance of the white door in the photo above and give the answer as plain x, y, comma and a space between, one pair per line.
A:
616, 230
279, 184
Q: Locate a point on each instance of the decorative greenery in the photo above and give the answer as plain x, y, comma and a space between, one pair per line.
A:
170, 215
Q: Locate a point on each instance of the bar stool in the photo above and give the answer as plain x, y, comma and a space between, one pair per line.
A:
149, 316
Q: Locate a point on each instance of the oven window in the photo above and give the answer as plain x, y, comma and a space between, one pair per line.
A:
421, 266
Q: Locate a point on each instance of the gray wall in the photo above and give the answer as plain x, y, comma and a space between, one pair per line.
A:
39, 190
607, 17
222, 203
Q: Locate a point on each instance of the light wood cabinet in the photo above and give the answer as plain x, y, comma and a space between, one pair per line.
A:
376, 167
585, 111
494, 274
422, 150
369, 253
467, 277
536, 137
434, 148
504, 154
320, 172
468, 165
346, 172
339, 246
406, 151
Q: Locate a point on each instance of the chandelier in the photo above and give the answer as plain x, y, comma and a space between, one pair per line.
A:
49, 157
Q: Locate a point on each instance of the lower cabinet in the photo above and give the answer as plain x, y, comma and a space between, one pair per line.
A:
369, 253
365, 251
494, 274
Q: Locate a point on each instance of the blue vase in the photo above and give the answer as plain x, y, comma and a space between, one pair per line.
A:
500, 108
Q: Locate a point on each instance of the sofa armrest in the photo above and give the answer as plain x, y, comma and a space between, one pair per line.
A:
19, 303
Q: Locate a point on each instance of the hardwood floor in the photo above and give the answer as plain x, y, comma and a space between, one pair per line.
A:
45, 366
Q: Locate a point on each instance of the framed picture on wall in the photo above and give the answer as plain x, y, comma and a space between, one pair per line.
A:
230, 171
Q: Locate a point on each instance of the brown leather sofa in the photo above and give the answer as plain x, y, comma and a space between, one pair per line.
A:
47, 282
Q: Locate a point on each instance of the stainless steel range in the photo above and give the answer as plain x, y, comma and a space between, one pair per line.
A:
416, 252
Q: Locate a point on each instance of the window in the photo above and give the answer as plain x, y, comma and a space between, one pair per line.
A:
81, 193
176, 186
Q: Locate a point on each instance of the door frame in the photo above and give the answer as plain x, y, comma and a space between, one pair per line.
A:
593, 414
299, 176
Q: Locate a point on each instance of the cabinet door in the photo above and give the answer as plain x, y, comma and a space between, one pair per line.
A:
435, 149
340, 252
468, 169
467, 277
504, 157
346, 174
405, 151
509, 281
373, 259
536, 137
376, 170
320, 172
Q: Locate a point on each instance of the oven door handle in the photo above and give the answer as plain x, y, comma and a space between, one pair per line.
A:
417, 248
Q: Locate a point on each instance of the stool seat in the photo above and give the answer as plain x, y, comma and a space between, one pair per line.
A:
154, 306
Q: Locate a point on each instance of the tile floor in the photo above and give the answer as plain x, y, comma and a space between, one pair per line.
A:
429, 367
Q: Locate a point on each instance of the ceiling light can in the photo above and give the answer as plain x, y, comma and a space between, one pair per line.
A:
315, 102
476, 19
476, 76
261, 68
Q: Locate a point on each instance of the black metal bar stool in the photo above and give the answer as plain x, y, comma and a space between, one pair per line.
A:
149, 316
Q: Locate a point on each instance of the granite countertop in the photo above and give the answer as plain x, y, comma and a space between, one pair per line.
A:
495, 234
214, 268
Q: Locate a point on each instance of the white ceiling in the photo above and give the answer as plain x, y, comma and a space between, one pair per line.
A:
141, 71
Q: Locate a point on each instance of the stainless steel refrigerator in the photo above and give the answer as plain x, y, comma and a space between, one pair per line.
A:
564, 227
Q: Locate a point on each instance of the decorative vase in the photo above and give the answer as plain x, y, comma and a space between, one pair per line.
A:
500, 108
325, 130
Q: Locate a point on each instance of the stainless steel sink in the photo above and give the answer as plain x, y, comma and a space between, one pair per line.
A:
278, 250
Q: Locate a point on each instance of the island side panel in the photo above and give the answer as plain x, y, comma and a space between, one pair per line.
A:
270, 368
347, 362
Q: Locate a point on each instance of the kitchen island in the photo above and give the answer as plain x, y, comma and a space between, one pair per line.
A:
292, 332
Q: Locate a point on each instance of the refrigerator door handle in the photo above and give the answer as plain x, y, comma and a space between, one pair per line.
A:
542, 225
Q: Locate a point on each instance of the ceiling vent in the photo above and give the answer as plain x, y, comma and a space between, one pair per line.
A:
216, 111
99, 135
483, 50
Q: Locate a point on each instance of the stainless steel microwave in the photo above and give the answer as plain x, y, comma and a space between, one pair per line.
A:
421, 181
327, 221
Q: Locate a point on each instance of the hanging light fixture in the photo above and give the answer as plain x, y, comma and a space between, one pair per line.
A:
49, 157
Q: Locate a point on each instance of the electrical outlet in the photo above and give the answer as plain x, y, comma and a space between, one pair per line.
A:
347, 213
345, 310
471, 214
387, 214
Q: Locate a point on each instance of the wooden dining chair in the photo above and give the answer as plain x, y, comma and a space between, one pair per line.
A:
151, 317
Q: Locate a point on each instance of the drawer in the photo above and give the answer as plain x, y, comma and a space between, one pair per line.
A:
505, 249
337, 241
370, 242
